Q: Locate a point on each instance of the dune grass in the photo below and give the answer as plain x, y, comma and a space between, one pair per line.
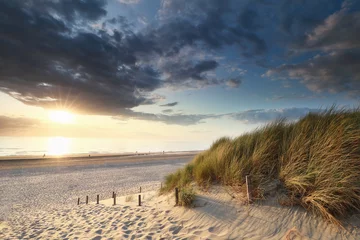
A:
186, 196
317, 159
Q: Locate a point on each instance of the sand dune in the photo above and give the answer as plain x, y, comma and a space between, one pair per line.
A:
216, 215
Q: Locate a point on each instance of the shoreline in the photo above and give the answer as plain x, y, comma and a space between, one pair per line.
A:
11, 163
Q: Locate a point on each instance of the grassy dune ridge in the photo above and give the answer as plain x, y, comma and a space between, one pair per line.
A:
316, 159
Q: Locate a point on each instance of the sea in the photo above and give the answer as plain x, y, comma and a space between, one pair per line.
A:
55, 146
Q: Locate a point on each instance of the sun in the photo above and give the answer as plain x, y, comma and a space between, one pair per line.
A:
62, 117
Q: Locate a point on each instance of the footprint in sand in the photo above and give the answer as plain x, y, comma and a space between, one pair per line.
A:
175, 229
214, 230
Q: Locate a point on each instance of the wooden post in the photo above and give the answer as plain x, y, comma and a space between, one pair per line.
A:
248, 188
87, 199
139, 200
97, 199
113, 195
78, 201
161, 185
176, 196
114, 198
140, 189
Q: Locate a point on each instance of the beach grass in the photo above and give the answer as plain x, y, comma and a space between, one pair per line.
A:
317, 160
186, 196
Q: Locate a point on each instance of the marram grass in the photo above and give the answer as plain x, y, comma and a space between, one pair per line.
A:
317, 159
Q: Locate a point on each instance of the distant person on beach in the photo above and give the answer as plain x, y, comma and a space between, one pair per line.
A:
89, 155
44, 155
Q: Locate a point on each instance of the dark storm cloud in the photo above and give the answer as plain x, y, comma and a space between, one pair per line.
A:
186, 74
334, 72
45, 62
203, 21
172, 104
69, 54
51, 55
256, 116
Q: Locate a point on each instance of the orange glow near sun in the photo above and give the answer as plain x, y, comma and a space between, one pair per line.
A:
62, 117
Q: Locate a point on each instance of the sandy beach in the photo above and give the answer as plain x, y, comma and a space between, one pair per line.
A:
215, 215
41, 203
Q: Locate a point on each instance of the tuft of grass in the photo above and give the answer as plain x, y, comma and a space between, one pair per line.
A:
316, 159
186, 197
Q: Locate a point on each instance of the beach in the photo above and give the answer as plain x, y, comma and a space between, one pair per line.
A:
29, 186
41, 203
215, 215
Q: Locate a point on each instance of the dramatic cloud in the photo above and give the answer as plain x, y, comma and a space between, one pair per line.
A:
335, 72
185, 74
169, 104
73, 55
257, 116
67, 54
45, 62
297, 23
203, 21
340, 30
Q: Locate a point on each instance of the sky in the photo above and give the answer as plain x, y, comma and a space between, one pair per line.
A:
173, 69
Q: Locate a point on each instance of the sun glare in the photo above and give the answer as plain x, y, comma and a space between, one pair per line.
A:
58, 146
61, 117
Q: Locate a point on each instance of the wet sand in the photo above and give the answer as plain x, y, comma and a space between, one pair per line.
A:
20, 162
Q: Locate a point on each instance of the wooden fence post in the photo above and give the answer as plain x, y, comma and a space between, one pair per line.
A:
87, 199
139, 200
176, 196
97, 199
140, 189
78, 201
114, 198
113, 195
248, 188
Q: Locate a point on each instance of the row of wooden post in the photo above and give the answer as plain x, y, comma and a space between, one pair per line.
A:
113, 196
248, 192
